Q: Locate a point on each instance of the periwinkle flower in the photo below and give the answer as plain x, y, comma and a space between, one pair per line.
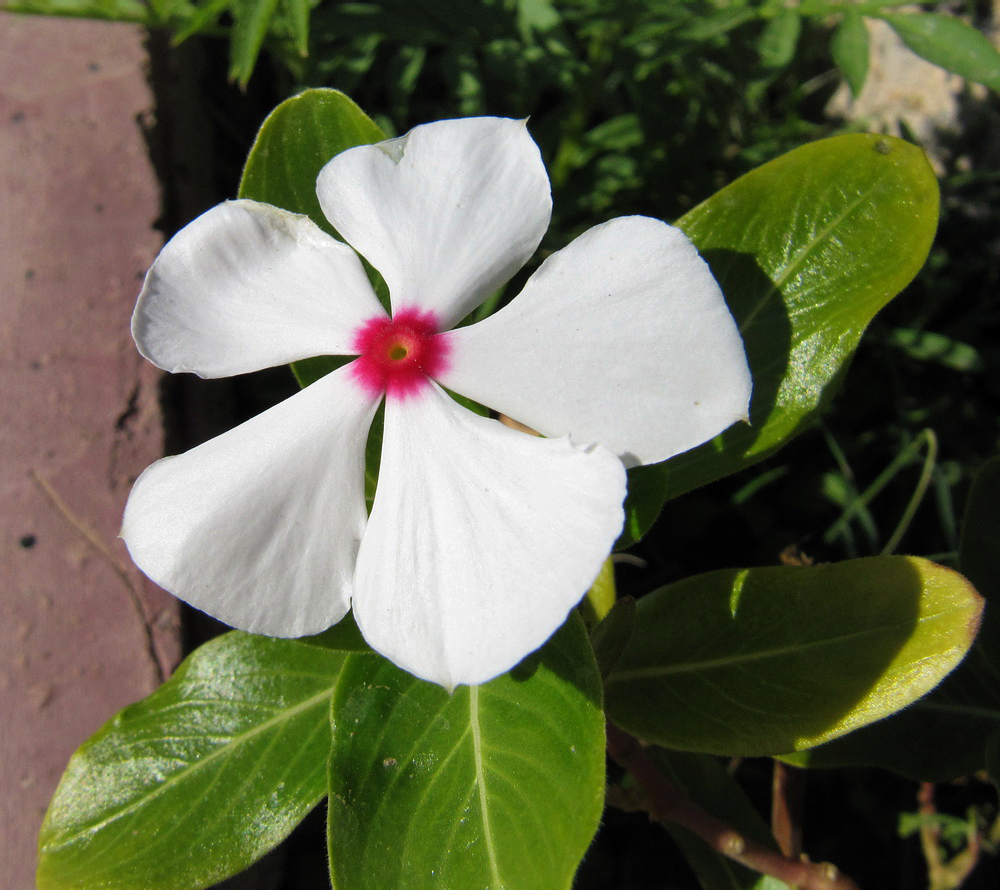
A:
620, 351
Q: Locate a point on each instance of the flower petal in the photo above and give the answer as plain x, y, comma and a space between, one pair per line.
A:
623, 338
480, 541
447, 213
260, 526
247, 286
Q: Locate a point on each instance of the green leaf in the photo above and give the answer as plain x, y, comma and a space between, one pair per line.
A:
195, 782
780, 36
295, 143
495, 786
771, 660
202, 18
110, 10
252, 20
945, 734
928, 346
707, 782
806, 248
297, 16
610, 637
950, 43
849, 48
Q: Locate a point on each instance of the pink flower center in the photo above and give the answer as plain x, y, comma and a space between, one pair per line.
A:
397, 355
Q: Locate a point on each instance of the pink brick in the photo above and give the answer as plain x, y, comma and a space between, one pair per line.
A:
79, 416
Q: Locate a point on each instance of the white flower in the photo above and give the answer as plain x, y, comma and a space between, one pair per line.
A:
480, 539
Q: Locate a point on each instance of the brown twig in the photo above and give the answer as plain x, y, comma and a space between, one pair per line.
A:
94, 540
786, 808
667, 804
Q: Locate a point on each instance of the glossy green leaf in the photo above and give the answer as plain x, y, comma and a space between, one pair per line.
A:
950, 43
771, 660
495, 786
252, 21
779, 38
849, 48
807, 248
707, 782
195, 782
945, 734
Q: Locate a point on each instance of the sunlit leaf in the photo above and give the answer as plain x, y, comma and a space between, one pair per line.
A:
771, 660
500, 785
112, 10
252, 22
200, 779
945, 734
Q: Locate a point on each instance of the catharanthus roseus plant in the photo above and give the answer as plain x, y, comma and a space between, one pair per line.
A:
481, 538
625, 355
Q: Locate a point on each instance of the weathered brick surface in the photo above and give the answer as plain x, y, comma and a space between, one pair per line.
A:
79, 417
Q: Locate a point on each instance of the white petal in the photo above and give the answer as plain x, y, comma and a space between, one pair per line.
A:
260, 526
248, 286
621, 338
480, 541
447, 213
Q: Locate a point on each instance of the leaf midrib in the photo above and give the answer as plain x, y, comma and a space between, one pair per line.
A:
732, 660
477, 753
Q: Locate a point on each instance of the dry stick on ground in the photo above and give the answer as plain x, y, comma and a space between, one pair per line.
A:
94, 540
667, 804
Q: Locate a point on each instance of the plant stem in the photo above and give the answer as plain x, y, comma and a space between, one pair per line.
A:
667, 804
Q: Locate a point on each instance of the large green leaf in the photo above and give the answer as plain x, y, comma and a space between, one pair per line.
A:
771, 660
945, 734
201, 778
807, 249
950, 43
495, 786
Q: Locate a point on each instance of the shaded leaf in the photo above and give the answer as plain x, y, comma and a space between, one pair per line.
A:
806, 248
849, 48
200, 779
950, 43
499, 785
611, 636
779, 38
771, 660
